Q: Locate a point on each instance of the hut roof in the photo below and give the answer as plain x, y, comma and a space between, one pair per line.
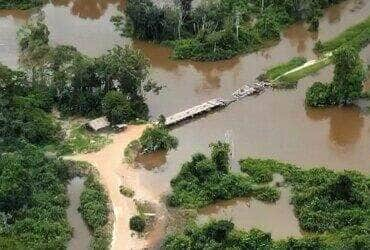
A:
99, 123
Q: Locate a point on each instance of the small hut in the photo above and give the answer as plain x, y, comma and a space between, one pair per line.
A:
98, 124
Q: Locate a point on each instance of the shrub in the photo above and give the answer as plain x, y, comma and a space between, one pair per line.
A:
126, 191
137, 223
318, 95
258, 173
132, 151
267, 194
157, 138
220, 156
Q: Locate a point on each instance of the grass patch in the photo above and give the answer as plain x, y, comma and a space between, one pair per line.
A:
357, 36
281, 69
80, 140
292, 78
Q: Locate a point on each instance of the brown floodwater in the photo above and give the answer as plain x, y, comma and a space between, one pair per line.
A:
276, 218
81, 234
275, 124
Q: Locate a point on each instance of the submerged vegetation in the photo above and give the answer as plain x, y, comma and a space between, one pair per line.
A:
332, 207
20, 4
349, 74
203, 180
216, 30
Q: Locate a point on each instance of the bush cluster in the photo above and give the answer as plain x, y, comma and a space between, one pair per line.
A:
137, 223
216, 30
157, 138
202, 181
94, 210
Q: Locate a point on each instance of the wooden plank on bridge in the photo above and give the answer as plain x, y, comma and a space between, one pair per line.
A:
196, 110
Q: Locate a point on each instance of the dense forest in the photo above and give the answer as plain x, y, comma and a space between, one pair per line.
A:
216, 30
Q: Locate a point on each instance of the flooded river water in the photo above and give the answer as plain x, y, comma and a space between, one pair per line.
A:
274, 125
81, 234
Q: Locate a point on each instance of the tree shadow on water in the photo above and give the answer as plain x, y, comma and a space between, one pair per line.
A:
346, 123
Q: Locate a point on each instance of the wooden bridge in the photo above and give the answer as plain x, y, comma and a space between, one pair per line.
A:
196, 110
247, 90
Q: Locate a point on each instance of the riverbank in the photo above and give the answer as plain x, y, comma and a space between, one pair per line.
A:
114, 173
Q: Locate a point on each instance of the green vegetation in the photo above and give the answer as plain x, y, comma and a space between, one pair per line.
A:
216, 30
25, 111
357, 36
203, 181
332, 207
157, 138
274, 72
325, 201
111, 84
346, 87
293, 77
154, 138
94, 210
132, 151
20, 4
128, 192
137, 223
33, 200
80, 140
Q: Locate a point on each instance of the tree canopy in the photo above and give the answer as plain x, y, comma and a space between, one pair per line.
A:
347, 84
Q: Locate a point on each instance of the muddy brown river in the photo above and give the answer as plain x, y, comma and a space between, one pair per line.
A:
275, 124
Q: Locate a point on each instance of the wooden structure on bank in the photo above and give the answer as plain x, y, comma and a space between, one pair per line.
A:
98, 124
196, 110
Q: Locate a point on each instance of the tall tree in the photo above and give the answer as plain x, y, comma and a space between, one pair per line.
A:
349, 75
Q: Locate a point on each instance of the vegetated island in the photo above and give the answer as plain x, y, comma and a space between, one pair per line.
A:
216, 30
286, 75
332, 208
